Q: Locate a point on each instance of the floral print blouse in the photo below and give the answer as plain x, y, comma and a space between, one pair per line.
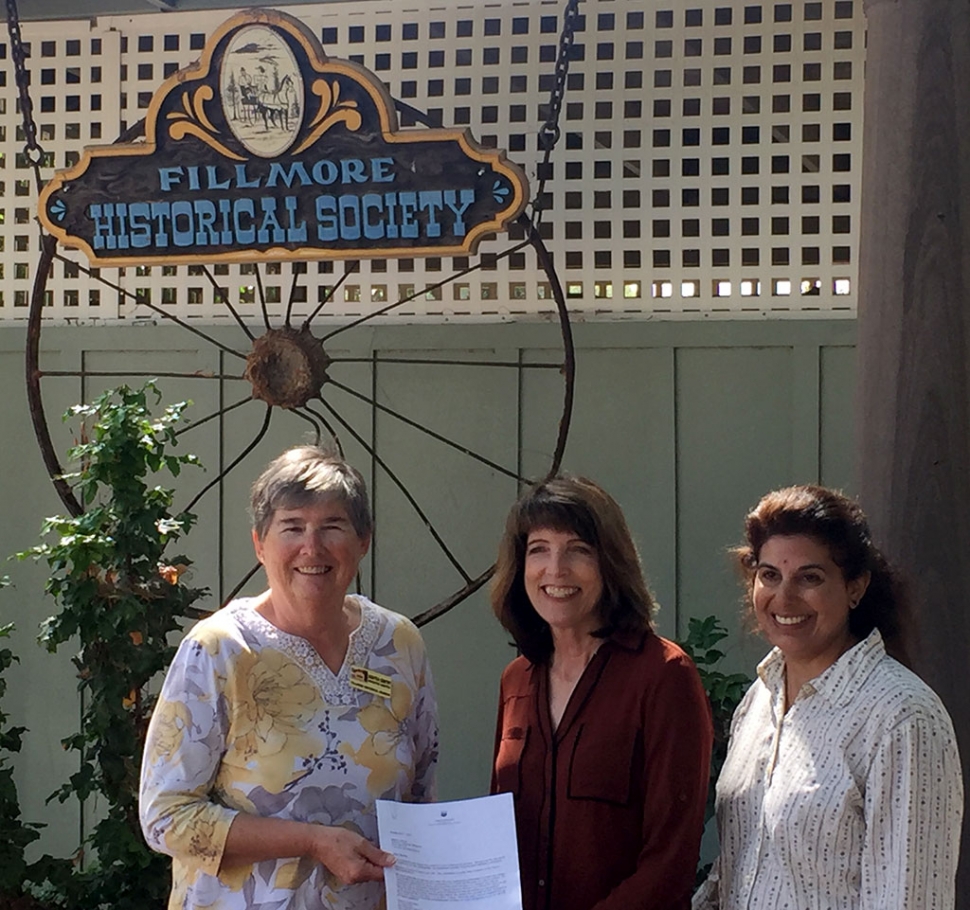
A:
250, 719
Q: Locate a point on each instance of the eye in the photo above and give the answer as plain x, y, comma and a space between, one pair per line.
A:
814, 578
767, 575
533, 548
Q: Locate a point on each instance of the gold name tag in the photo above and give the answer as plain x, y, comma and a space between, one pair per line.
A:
370, 681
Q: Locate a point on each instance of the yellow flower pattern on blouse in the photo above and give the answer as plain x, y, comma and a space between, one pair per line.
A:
250, 719
272, 705
385, 721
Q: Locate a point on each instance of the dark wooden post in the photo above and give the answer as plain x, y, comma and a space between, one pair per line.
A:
914, 331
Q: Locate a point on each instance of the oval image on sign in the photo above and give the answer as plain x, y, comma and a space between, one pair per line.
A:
262, 91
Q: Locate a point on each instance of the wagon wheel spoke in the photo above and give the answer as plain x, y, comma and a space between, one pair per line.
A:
424, 361
226, 302
314, 421
419, 426
225, 472
422, 619
351, 268
241, 583
262, 296
215, 414
403, 488
151, 306
427, 289
121, 374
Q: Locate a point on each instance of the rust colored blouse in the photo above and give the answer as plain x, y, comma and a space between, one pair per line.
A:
609, 808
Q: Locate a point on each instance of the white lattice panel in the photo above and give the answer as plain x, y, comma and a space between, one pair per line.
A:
709, 164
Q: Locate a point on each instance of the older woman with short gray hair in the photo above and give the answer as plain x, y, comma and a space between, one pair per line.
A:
285, 716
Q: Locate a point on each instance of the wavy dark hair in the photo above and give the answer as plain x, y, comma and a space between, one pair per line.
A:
838, 523
579, 506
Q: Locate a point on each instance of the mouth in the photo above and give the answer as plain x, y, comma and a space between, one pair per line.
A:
312, 570
791, 620
559, 592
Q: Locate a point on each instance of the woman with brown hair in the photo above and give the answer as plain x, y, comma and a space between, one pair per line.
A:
842, 785
604, 730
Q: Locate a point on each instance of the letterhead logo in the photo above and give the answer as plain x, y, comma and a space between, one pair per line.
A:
268, 149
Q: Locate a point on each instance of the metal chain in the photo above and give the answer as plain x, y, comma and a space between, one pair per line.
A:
549, 132
32, 149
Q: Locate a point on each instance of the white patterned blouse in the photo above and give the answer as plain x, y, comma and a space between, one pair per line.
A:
250, 719
852, 800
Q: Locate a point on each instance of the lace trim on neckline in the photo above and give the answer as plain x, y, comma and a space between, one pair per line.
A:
335, 688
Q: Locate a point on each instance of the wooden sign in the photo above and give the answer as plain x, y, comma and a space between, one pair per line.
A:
267, 149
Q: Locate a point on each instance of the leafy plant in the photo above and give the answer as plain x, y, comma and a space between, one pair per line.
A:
723, 689
15, 834
121, 596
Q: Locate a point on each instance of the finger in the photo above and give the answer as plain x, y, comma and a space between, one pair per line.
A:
371, 873
375, 855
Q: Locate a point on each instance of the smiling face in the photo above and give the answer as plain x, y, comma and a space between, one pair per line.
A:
563, 580
802, 601
310, 555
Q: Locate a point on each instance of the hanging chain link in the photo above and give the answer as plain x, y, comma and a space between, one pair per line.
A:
550, 132
33, 152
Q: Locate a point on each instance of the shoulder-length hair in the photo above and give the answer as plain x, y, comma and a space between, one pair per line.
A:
579, 506
839, 524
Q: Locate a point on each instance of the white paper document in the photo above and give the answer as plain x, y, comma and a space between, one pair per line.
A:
459, 855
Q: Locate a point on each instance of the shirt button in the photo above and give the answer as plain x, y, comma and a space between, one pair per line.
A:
542, 883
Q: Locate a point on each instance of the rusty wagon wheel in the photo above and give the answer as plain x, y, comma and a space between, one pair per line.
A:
288, 369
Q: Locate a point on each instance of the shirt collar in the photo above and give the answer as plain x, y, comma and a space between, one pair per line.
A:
840, 682
629, 641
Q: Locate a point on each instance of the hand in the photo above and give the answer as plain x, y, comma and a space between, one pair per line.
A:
350, 857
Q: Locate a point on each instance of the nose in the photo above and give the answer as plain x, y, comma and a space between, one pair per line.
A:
311, 543
558, 562
786, 590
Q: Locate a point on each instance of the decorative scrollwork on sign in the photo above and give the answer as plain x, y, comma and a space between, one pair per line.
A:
266, 146
331, 112
193, 121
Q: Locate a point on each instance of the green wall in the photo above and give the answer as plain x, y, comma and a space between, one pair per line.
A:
686, 423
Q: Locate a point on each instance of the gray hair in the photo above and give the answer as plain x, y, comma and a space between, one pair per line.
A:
304, 475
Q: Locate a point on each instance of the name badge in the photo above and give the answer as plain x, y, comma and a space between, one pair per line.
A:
370, 681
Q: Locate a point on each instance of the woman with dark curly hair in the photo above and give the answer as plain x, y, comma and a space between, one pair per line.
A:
604, 730
842, 785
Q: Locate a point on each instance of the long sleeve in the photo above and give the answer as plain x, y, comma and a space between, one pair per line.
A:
424, 789
913, 809
493, 786
185, 743
678, 737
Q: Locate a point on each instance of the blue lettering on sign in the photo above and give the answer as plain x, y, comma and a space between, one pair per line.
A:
205, 212
277, 171
327, 219
183, 232
139, 217
373, 227
466, 198
271, 220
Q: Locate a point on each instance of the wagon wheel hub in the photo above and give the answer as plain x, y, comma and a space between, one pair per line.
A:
287, 367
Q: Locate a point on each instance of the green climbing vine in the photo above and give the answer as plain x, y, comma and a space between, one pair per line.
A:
120, 595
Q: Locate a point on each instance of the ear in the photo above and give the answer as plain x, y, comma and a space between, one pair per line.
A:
257, 546
365, 545
857, 587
